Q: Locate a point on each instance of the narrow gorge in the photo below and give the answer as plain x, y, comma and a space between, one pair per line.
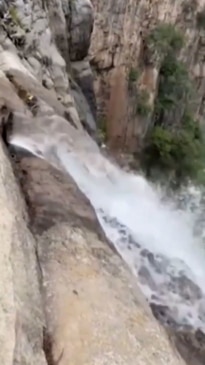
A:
98, 265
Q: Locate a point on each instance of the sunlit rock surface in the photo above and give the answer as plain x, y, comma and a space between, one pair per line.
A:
92, 312
65, 295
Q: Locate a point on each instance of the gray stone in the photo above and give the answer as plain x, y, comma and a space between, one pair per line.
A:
80, 26
84, 77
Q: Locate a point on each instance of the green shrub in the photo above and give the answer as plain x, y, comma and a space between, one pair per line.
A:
176, 147
133, 75
143, 108
174, 85
200, 19
165, 38
180, 151
102, 129
175, 143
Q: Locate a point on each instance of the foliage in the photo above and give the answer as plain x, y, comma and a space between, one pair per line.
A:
143, 108
174, 86
180, 151
165, 38
133, 75
200, 19
102, 129
15, 17
175, 144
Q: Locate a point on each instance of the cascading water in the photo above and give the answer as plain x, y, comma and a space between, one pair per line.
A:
151, 234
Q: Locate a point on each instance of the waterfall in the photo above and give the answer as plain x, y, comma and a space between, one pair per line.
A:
152, 234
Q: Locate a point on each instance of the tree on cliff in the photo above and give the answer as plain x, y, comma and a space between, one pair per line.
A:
175, 142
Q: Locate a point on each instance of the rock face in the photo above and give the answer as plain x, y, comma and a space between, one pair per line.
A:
45, 36
118, 54
90, 309
65, 295
21, 310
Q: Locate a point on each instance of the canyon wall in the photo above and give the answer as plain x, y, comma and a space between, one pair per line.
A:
119, 52
66, 297
65, 294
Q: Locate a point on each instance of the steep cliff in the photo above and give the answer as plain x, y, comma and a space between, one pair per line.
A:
65, 295
50, 37
128, 67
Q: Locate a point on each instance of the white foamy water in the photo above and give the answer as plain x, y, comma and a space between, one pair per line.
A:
155, 238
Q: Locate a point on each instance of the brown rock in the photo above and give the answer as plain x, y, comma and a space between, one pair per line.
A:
118, 45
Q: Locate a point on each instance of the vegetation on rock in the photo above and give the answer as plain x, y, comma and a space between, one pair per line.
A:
133, 75
102, 129
175, 143
165, 38
141, 97
179, 151
174, 90
142, 104
15, 17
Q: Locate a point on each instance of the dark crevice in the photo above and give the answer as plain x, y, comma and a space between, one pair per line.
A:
47, 348
68, 117
68, 18
6, 123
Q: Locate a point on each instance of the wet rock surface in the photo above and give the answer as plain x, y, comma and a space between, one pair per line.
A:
191, 345
53, 198
66, 296
77, 271
83, 281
